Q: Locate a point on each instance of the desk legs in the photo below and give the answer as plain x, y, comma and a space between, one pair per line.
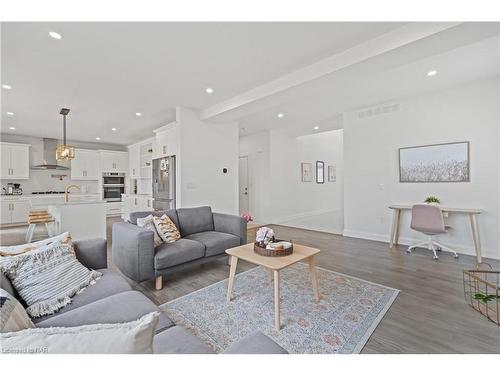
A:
232, 272
314, 278
396, 215
475, 236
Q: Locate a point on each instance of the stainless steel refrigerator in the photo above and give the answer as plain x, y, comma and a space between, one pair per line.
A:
164, 183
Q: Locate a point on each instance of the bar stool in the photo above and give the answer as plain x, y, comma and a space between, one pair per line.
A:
39, 217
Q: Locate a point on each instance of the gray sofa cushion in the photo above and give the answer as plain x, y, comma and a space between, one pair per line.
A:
178, 340
6, 285
215, 242
172, 214
194, 220
178, 252
255, 343
119, 308
110, 283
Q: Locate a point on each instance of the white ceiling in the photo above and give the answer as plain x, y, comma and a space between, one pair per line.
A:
105, 72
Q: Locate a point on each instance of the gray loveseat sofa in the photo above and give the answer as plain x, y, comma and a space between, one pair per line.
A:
112, 300
204, 236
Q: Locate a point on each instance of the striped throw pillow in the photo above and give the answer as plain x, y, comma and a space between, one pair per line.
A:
166, 229
21, 249
48, 277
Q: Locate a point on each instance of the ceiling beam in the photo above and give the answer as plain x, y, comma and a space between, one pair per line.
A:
394, 39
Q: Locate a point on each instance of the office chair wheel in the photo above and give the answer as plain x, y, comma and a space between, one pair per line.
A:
455, 256
439, 249
408, 251
435, 257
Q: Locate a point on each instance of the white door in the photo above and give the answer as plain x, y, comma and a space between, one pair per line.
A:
243, 183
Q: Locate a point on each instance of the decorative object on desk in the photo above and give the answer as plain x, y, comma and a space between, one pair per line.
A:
277, 248
332, 173
320, 172
447, 162
482, 292
264, 236
247, 217
432, 200
306, 172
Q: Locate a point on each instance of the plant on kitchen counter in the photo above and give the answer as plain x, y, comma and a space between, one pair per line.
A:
432, 200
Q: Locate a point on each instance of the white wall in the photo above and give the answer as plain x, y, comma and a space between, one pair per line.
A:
41, 180
204, 150
469, 113
277, 194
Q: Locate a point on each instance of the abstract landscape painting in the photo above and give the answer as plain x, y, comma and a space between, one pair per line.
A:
447, 162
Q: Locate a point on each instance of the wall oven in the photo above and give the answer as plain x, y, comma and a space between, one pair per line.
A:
113, 186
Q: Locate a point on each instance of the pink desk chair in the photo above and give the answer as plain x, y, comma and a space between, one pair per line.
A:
428, 219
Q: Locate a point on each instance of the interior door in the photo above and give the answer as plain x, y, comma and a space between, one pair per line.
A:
243, 184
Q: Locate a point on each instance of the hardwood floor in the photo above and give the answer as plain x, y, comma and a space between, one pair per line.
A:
429, 315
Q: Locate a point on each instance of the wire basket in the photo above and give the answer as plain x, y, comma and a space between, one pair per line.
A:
482, 292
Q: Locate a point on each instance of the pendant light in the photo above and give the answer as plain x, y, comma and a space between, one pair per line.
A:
64, 151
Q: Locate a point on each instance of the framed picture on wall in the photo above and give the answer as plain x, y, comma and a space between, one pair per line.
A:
306, 172
446, 162
320, 172
332, 173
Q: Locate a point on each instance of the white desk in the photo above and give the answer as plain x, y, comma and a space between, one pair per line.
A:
471, 212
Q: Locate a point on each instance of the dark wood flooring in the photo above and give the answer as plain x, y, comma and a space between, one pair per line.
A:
429, 315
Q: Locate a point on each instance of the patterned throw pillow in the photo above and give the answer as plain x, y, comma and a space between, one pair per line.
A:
21, 249
13, 316
166, 229
48, 277
148, 223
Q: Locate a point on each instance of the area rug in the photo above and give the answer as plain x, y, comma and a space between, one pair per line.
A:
342, 322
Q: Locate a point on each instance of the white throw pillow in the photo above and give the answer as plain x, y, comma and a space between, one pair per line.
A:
148, 223
120, 338
13, 316
24, 248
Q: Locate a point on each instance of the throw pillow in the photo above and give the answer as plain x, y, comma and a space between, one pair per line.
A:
24, 248
13, 316
48, 277
166, 229
119, 338
148, 223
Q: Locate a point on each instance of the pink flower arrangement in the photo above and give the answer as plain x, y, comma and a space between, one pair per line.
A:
247, 216
264, 235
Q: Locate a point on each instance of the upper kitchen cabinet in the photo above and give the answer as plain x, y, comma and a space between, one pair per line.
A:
134, 161
165, 141
15, 164
140, 156
85, 165
113, 161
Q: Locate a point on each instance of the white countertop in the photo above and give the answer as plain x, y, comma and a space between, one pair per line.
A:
76, 203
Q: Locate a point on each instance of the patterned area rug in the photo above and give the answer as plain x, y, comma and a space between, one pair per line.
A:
342, 322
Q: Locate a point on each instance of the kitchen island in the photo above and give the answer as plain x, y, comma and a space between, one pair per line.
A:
83, 220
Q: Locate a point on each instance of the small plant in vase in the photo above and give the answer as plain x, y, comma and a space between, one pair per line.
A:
247, 217
432, 200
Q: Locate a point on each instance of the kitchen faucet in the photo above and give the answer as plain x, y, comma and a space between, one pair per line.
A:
66, 191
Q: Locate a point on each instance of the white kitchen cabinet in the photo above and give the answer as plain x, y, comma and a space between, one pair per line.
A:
165, 141
113, 208
134, 203
134, 161
15, 211
113, 161
85, 165
15, 164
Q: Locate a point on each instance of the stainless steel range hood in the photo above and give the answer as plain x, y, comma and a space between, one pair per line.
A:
49, 156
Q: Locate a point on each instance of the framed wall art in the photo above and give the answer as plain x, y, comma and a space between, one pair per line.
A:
320, 172
306, 172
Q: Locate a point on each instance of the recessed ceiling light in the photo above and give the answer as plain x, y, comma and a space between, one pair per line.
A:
97, 138
113, 129
316, 128
209, 90
12, 128
6, 87
138, 114
10, 113
281, 115
55, 35
431, 73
